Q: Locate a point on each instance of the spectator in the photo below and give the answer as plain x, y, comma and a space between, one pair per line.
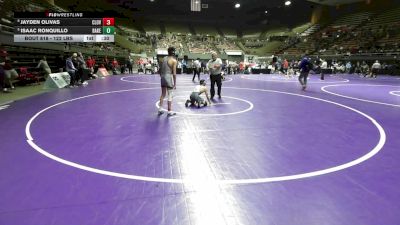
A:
196, 69
82, 69
348, 67
285, 66
95, 66
324, 67
357, 68
106, 62
44, 66
71, 69
2, 78
129, 63
10, 73
90, 64
375, 69
114, 66
60, 63
364, 68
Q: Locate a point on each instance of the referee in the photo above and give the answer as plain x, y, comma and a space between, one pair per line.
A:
215, 66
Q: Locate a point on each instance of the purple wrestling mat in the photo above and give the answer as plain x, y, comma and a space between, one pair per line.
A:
266, 153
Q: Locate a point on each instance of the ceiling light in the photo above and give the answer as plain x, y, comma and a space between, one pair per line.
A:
237, 5
287, 3
197, 2
266, 11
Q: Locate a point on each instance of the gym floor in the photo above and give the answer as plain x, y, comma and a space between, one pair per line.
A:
266, 153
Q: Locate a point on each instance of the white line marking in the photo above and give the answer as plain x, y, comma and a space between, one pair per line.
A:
373, 152
180, 80
251, 106
359, 99
286, 80
395, 93
294, 81
4, 107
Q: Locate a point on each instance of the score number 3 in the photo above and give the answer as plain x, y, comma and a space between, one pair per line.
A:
108, 21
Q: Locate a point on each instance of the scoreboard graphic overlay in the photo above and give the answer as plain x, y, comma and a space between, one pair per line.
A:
63, 27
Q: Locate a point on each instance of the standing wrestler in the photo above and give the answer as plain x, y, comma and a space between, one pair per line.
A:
168, 79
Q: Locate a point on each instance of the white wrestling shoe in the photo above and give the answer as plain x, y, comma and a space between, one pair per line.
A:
160, 111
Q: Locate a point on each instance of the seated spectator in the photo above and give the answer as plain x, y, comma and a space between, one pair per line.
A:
357, 68
114, 66
90, 64
348, 67
115, 63
364, 68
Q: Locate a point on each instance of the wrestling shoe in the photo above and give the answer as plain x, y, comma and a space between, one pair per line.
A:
160, 111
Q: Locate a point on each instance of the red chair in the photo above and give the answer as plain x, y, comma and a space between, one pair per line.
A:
26, 77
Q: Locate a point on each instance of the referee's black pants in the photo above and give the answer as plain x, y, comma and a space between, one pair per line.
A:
196, 71
215, 79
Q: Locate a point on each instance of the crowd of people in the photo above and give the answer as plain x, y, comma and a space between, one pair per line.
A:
79, 68
343, 39
368, 40
348, 40
320, 66
338, 40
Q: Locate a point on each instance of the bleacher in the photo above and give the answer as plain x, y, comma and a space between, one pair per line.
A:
128, 30
177, 29
305, 29
252, 34
390, 44
329, 35
206, 30
229, 32
152, 28
378, 34
391, 16
171, 39
200, 44
226, 44
352, 20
